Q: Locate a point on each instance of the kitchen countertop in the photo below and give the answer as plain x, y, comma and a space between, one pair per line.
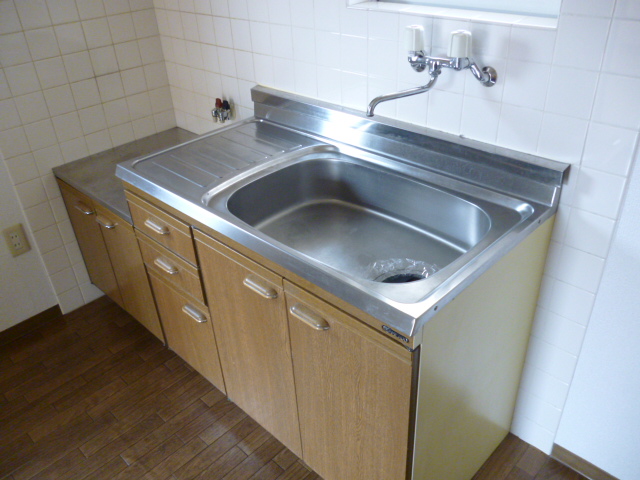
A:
95, 175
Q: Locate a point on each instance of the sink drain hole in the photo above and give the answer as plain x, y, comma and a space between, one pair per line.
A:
399, 270
403, 278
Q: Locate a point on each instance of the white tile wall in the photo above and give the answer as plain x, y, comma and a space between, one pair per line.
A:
617, 102
85, 93
623, 38
74, 298
71, 78
599, 192
602, 8
562, 137
33, 13
63, 11
51, 72
42, 43
568, 94
629, 9
10, 116
70, 37
59, 100
581, 41
609, 148
22, 79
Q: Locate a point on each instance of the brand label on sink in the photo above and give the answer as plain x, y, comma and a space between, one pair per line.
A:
395, 334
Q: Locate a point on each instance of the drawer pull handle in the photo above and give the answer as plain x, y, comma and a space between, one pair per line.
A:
309, 317
104, 222
162, 264
252, 283
195, 314
159, 229
82, 207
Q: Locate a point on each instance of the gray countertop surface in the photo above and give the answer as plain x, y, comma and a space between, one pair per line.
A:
95, 175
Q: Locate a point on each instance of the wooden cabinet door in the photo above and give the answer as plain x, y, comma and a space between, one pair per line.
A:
248, 309
354, 393
188, 329
129, 270
83, 219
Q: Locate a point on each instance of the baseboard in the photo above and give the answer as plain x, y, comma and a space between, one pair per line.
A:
30, 324
579, 464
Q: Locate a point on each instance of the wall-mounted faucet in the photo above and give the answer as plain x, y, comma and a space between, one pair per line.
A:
459, 59
222, 111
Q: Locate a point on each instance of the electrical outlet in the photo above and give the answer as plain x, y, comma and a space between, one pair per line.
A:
16, 240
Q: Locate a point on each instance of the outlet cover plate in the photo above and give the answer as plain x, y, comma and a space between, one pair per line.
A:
16, 240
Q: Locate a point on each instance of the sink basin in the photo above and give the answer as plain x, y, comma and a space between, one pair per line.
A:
351, 217
391, 231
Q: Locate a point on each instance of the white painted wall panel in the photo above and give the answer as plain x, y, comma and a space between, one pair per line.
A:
601, 419
24, 286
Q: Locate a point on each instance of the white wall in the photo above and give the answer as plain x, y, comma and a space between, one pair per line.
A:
24, 286
569, 94
76, 78
600, 420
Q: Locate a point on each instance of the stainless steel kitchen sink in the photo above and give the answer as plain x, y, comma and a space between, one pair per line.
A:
367, 221
386, 216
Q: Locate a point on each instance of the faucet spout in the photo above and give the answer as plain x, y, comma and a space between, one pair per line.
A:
401, 94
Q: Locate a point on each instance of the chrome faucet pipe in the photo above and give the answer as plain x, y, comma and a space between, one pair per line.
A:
487, 75
420, 62
401, 94
459, 58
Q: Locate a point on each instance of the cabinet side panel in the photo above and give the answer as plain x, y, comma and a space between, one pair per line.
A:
471, 362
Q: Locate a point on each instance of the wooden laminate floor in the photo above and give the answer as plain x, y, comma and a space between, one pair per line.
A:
93, 395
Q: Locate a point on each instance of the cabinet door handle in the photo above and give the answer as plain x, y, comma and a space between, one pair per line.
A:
163, 265
159, 229
104, 222
265, 291
309, 317
195, 314
81, 206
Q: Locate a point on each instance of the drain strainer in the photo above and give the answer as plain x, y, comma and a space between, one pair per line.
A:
402, 278
399, 270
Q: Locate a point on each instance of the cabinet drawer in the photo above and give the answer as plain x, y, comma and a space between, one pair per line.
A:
162, 227
167, 265
187, 326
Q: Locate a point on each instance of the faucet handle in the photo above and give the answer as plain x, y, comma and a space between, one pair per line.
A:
414, 37
460, 46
